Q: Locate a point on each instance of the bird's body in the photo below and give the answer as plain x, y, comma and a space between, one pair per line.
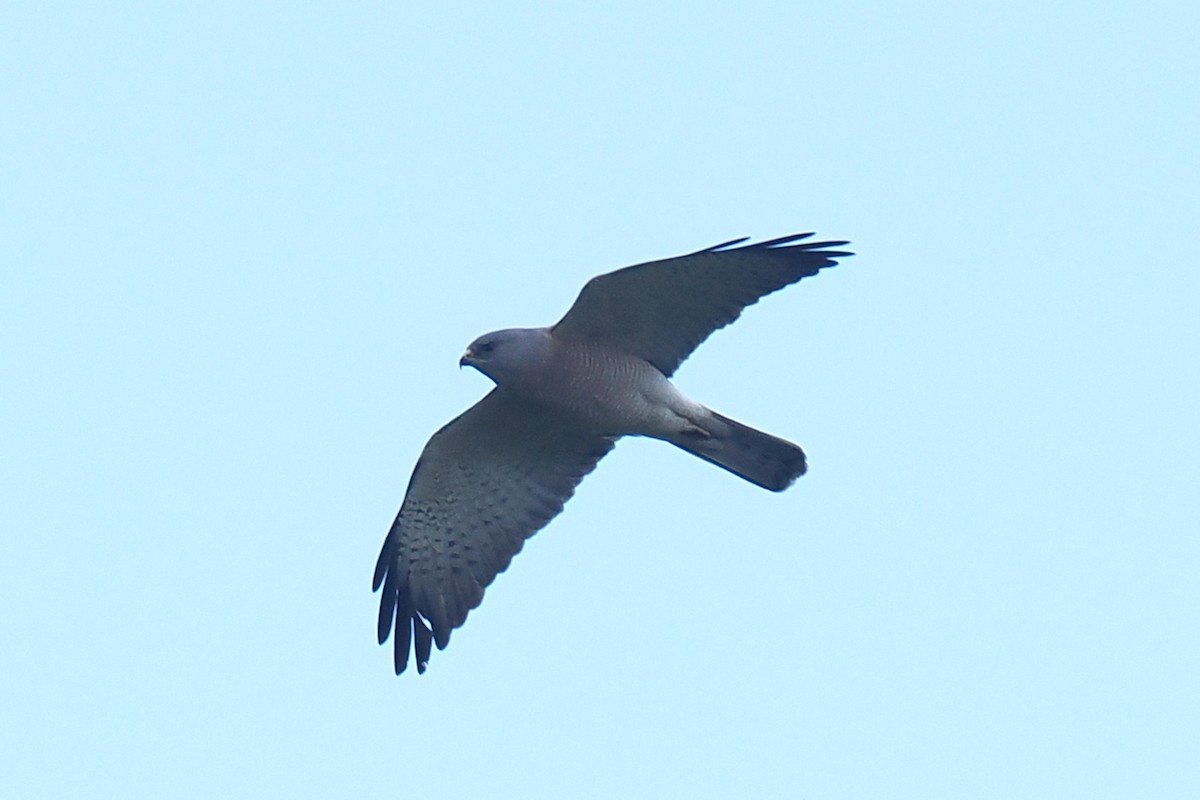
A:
596, 385
564, 395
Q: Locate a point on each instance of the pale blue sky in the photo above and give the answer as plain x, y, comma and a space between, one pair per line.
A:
243, 248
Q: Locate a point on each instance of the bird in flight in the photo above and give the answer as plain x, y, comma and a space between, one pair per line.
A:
501, 470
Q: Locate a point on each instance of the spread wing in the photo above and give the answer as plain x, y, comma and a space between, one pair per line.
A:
662, 310
485, 482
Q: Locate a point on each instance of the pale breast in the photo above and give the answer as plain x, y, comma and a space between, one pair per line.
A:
610, 391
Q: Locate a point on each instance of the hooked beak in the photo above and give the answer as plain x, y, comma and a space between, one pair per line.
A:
467, 358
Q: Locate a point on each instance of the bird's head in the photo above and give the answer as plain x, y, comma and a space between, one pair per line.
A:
509, 355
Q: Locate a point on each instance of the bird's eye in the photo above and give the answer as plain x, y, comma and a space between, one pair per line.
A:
484, 347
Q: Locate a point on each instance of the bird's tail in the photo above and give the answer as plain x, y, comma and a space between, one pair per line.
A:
762, 459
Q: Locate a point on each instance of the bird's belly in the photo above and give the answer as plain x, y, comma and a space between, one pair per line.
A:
622, 397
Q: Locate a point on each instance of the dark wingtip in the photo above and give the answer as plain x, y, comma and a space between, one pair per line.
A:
722, 245
819, 248
423, 639
441, 636
400, 657
402, 642
383, 562
781, 243
387, 609
383, 628
782, 240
